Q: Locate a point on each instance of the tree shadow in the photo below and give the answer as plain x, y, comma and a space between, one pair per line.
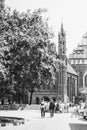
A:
78, 126
82, 119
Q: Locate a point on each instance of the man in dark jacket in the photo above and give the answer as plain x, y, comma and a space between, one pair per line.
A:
51, 108
42, 107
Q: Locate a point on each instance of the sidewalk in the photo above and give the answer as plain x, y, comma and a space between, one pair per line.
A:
33, 121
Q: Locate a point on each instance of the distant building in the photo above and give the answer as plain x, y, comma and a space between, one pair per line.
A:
66, 85
78, 60
68, 81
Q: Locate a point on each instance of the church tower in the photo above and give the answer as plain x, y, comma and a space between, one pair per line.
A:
63, 65
62, 43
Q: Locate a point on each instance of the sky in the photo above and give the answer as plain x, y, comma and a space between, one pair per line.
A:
73, 14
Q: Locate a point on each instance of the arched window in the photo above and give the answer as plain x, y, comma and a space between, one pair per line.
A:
74, 61
82, 61
37, 100
78, 61
86, 80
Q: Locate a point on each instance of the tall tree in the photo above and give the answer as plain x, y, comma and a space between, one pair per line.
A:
4, 90
28, 55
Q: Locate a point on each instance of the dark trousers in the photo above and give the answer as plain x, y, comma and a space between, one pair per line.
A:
51, 113
42, 112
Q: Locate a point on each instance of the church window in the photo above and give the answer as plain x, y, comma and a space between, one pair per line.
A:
63, 52
70, 61
86, 80
63, 43
74, 61
82, 61
82, 52
60, 76
78, 61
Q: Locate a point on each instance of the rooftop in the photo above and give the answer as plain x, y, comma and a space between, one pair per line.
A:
71, 70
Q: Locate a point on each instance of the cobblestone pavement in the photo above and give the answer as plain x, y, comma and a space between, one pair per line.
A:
33, 121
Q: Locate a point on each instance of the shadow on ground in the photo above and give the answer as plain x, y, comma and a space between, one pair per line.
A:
83, 119
78, 126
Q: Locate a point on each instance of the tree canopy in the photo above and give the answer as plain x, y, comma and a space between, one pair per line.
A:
27, 53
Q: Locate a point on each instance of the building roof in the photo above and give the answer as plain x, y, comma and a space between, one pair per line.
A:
79, 48
71, 70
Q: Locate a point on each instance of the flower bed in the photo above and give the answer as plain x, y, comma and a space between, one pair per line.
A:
11, 120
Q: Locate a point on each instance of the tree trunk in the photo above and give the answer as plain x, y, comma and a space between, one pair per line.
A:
31, 94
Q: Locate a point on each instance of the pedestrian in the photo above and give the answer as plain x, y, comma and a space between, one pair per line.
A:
56, 106
42, 107
61, 107
52, 108
82, 104
75, 111
67, 107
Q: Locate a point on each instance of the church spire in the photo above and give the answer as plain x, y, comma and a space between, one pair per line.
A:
62, 30
61, 42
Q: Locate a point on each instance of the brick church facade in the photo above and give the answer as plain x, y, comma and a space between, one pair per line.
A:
78, 59
66, 85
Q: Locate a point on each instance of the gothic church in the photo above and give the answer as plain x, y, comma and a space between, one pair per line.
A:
66, 86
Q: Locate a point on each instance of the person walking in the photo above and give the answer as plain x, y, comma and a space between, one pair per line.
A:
42, 107
67, 107
57, 106
52, 108
75, 111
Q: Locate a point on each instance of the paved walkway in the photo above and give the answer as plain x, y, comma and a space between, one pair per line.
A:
35, 122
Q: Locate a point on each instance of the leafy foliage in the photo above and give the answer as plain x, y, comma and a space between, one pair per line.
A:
27, 52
